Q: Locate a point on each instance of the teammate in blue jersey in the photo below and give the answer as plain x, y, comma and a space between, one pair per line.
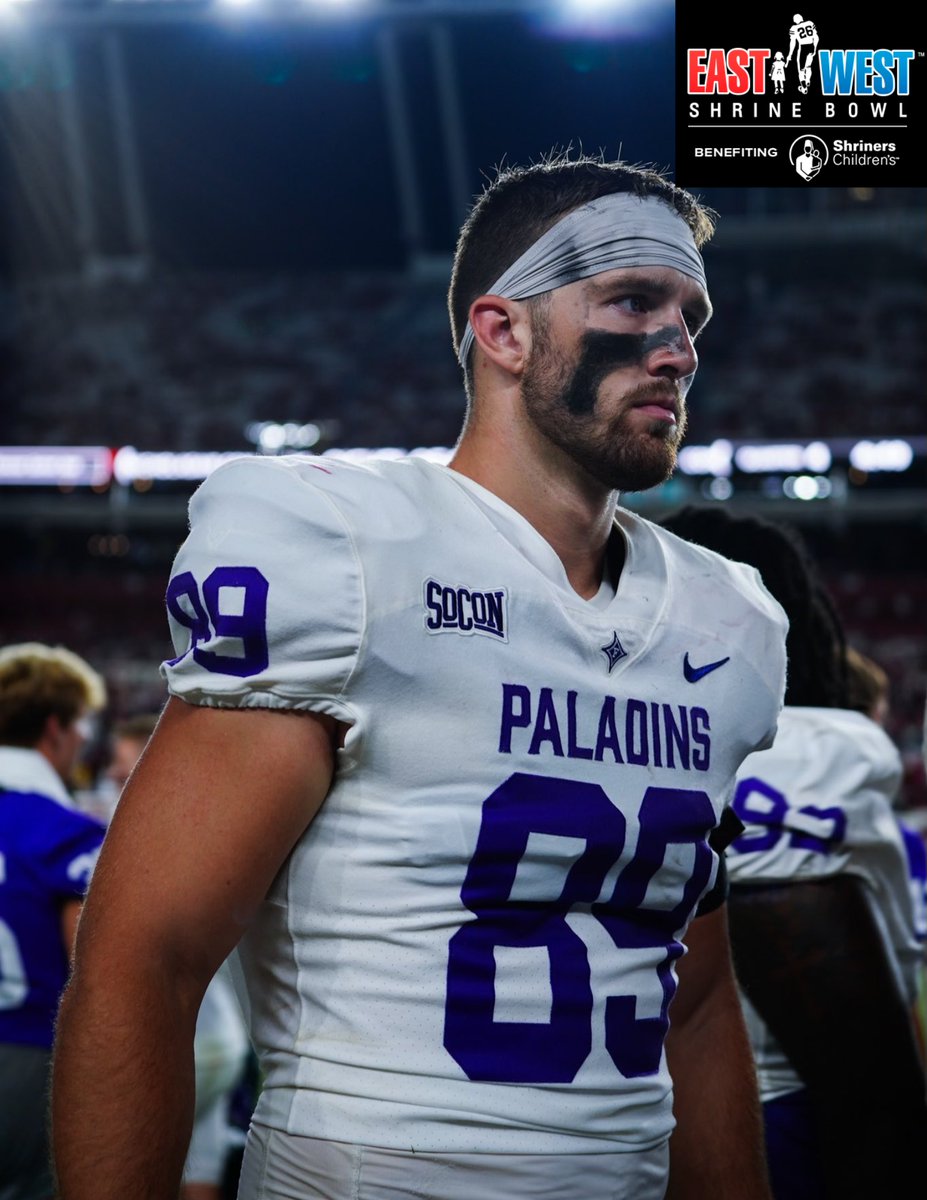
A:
827, 942
47, 851
447, 753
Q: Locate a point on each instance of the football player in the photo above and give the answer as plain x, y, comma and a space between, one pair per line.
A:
47, 851
803, 43
827, 944
447, 753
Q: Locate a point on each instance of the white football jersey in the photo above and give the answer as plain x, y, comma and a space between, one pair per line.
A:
472, 946
804, 32
819, 804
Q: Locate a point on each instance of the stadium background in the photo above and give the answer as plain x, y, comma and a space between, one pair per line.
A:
227, 228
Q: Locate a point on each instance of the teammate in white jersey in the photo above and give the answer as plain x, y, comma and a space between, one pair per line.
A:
445, 751
868, 691
827, 946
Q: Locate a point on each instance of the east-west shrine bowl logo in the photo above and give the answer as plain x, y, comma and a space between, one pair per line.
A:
768, 82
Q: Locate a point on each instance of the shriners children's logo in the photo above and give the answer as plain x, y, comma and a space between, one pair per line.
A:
808, 155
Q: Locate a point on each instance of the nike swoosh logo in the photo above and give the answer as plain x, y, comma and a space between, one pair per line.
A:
694, 674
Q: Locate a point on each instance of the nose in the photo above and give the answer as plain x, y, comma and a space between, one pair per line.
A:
671, 353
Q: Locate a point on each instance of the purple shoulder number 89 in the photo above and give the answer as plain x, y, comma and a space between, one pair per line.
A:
233, 606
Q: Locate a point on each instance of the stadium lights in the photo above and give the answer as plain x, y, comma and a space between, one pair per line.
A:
68, 466
805, 466
806, 487
783, 456
602, 18
707, 460
130, 464
894, 454
719, 489
238, 4
12, 12
594, 7
272, 436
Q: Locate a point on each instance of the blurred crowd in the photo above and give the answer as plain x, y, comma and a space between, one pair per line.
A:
189, 362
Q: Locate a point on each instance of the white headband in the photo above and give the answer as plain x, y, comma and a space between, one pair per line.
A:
617, 230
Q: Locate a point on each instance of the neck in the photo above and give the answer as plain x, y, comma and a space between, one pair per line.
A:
571, 511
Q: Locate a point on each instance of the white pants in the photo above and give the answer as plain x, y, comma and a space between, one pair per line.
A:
283, 1166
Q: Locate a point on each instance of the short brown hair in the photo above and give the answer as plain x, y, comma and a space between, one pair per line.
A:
522, 203
867, 682
39, 681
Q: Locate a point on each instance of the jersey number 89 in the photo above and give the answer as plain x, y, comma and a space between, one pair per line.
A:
553, 1052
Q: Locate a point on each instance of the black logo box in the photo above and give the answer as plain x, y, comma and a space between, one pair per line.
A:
724, 147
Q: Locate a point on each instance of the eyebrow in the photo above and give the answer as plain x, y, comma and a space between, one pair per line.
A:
658, 289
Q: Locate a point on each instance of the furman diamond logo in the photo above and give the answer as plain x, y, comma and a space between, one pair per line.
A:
614, 651
450, 608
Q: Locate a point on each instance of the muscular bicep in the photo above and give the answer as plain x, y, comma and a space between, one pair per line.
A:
211, 812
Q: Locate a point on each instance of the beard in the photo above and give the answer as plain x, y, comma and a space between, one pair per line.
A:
562, 401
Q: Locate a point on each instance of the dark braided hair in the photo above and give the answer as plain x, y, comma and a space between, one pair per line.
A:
816, 644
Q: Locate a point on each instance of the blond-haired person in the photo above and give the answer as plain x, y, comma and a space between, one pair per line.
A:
47, 852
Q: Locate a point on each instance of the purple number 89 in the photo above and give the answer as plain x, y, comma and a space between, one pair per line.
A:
206, 618
554, 1051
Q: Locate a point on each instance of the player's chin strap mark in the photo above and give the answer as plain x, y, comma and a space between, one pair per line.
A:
610, 232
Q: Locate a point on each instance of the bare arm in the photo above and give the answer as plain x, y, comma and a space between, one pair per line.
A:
70, 915
812, 960
716, 1151
209, 816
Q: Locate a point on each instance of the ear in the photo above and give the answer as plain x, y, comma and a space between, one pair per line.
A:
502, 331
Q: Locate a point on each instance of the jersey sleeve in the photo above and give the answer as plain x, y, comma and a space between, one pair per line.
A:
819, 805
265, 600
